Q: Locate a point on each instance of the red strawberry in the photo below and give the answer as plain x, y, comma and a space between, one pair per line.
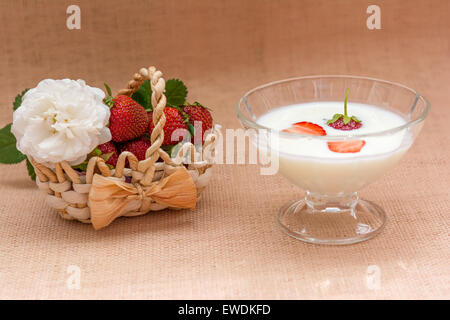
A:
109, 148
174, 120
346, 146
341, 125
306, 128
344, 121
128, 119
137, 147
198, 113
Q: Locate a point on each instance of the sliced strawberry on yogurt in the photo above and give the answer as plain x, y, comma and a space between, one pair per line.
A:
308, 128
352, 146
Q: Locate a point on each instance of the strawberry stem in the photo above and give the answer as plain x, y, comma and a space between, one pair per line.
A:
347, 92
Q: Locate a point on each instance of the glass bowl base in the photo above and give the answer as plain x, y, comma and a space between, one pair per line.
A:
332, 225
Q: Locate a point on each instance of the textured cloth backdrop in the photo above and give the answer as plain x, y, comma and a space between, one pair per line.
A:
230, 247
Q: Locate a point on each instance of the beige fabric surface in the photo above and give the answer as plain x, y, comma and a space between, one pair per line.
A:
230, 246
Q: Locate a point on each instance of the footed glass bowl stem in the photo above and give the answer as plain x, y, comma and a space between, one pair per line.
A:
333, 219
331, 203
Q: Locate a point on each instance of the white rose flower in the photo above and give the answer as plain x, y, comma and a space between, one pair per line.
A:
61, 120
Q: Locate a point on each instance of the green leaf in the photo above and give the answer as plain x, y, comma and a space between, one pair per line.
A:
82, 166
143, 95
200, 105
168, 149
30, 169
183, 114
191, 129
176, 92
97, 152
8, 151
108, 89
335, 118
356, 119
18, 100
106, 156
109, 99
346, 119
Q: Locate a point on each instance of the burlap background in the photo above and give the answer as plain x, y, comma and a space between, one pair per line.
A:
230, 247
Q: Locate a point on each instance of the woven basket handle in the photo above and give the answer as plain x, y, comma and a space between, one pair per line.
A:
134, 84
158, 101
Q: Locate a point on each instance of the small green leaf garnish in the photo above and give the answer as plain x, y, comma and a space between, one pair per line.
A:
356, 119
335, 118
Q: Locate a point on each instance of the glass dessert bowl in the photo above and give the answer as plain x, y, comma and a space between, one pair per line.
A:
332, 148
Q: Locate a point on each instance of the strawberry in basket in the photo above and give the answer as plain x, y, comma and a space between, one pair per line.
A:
175, 129
200, 118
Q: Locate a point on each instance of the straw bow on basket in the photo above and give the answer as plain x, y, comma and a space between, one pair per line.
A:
102, 194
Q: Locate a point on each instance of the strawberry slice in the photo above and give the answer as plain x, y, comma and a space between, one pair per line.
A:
346, 146
308, 128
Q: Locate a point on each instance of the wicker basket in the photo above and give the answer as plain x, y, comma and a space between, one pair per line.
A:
102, 194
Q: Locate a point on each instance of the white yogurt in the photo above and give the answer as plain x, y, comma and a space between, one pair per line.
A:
310, 164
